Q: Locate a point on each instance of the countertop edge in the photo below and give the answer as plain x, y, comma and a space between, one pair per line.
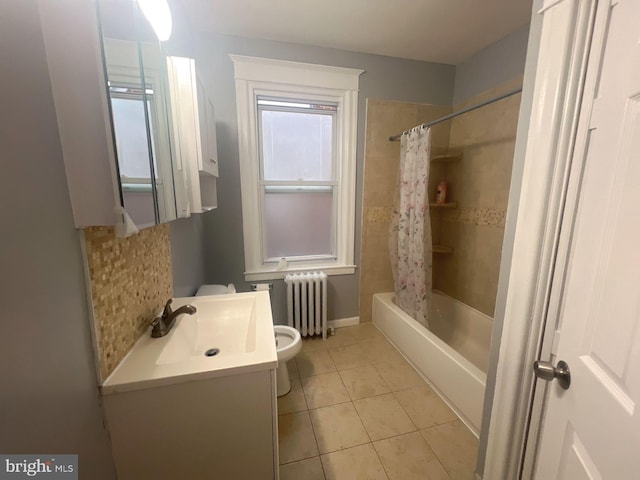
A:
107, 390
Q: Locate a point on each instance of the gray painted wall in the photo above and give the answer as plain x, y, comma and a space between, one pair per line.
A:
526, 105
49, 395
385, 78
186, 234
187, 255
491, 66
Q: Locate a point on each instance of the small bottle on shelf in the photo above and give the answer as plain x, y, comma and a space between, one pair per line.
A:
441, 192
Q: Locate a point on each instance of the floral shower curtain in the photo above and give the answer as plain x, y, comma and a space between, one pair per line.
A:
410, 228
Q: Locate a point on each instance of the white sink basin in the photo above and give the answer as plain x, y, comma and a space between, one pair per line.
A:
237, 329
227, 324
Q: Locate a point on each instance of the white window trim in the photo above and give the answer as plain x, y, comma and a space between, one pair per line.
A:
259, 76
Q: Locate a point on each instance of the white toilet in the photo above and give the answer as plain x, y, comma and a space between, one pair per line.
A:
215, 290
288, 345
288, 340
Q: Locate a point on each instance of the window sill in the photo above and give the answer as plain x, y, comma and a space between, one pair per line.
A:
279, 274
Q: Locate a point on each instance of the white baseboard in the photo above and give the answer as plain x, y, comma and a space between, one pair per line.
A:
343, 322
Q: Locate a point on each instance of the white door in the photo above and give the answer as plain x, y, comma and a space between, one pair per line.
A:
592, 430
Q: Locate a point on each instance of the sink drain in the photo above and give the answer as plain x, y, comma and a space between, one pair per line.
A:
212, 352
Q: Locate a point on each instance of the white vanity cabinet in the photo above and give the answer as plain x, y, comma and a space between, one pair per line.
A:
199, 403
195, 131
219, 428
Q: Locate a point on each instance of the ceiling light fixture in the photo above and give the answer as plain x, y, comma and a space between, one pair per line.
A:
159, 15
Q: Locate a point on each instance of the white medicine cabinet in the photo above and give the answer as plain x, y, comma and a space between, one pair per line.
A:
137, 128
195, 133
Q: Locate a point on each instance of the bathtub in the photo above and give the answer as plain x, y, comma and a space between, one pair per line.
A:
452, 356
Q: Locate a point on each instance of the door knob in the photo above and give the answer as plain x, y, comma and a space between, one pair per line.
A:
546, 371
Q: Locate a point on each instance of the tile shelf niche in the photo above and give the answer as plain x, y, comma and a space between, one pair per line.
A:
443, 205
446, 158
441, 249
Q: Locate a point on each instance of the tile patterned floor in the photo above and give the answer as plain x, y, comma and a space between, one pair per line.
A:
358, 411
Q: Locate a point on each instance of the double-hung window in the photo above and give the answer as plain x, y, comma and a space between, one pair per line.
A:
297, 179
297, 145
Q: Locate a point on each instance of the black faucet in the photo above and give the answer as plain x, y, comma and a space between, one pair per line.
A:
164, 323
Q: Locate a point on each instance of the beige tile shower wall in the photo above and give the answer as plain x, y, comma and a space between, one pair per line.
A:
130, 281
480, 185
386, 118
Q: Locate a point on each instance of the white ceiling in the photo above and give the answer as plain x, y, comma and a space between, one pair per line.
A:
445, 31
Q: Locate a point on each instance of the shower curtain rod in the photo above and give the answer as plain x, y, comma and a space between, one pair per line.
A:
455, 114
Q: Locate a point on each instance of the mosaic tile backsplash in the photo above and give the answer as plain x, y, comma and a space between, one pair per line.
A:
130, 281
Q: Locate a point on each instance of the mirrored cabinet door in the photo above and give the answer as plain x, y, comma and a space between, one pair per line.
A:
136, 77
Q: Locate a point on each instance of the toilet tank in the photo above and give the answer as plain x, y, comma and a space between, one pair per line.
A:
215, 290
